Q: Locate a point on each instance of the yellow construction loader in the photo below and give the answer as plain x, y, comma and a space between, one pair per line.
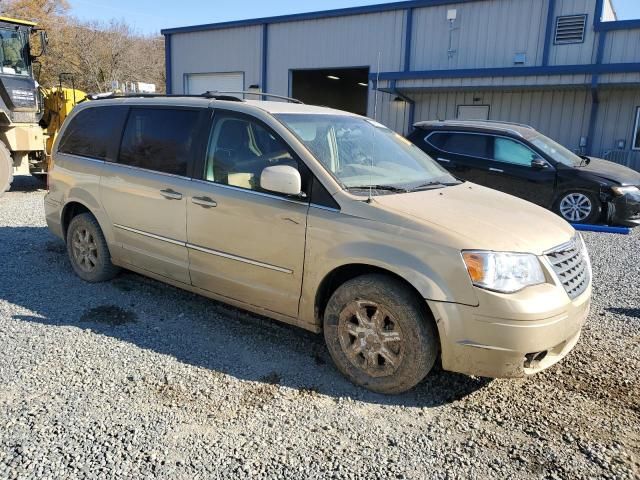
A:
30, 116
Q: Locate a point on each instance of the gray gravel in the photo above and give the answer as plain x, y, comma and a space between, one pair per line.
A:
136, 379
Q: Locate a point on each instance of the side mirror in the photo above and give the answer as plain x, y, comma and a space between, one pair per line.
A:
281, 179
539, 163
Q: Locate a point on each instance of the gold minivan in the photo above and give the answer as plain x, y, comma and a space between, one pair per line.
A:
325, 220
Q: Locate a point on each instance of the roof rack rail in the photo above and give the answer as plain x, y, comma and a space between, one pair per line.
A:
211, 95
260, 94
497, 122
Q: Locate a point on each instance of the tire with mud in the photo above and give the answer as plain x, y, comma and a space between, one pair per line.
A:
88, 250
379, 335
6, 168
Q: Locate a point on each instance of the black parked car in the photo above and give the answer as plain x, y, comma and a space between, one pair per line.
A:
517, 159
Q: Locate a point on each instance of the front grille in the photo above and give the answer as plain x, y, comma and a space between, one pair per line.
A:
570, 265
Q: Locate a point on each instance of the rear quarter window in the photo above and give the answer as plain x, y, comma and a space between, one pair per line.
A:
160, 139
93, 132
474, 145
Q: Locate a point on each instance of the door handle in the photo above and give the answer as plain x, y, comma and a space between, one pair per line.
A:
205, 202
170, 194
496, 170
440, 159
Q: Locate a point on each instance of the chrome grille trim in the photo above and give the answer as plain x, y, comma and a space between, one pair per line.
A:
571, 267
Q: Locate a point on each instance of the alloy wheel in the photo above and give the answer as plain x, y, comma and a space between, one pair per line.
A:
85, 249
575, 207
371, 338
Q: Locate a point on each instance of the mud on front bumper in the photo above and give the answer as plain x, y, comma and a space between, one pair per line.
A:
514, 344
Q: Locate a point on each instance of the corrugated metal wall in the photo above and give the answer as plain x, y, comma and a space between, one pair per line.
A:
486, 34
616, 118
216, 51
575, 53
352, 41
562, 114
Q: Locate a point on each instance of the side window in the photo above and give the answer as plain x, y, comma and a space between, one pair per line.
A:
160, 139
636, 131
240, 148
92, 131
461, 143
510, 151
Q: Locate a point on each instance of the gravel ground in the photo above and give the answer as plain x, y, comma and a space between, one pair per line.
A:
136, 379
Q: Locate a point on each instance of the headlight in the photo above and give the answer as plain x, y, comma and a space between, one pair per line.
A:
624, 190
503, 272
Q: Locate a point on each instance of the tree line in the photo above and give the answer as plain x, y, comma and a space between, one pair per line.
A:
94, 54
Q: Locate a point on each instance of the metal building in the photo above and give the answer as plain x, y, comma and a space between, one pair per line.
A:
567, 67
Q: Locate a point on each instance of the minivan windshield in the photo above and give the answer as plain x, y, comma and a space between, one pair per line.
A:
556, 151
360, 153
14, 54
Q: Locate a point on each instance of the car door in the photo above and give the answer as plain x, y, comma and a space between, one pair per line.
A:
245, 243
464, 154
511, 171
144, 193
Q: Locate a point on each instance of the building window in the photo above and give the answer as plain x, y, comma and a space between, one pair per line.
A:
636, 131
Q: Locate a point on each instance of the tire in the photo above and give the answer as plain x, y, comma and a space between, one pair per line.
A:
378, 336
88, 251
579, 207
6, 169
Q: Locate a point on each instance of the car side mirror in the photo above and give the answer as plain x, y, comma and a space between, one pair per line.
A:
539, 163
281, 179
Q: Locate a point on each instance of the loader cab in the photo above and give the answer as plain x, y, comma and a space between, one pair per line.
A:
18, 90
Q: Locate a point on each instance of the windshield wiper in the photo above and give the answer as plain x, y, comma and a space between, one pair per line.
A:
428, 185
389, 188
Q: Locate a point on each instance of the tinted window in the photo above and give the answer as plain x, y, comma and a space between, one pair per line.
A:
159, 139
636, 131
461, 143
239, 149
91, 131
510, 151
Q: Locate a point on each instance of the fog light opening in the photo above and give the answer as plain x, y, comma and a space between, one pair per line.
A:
531, 360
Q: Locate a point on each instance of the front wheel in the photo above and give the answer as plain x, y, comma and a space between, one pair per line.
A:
6, 169
379, 335
579, 207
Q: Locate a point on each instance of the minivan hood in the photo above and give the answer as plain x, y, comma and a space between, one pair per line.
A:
486, 218
612, 171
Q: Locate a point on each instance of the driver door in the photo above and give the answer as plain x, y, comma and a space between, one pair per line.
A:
510, 171
246, 243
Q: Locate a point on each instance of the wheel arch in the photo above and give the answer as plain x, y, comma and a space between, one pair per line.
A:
343, 273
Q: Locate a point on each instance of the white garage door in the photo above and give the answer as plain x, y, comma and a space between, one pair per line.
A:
197, 83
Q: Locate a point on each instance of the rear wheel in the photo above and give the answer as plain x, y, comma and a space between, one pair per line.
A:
6, 169
88, 251
579, 207
378, 334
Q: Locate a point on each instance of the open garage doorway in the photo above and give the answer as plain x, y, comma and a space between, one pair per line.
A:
341, 88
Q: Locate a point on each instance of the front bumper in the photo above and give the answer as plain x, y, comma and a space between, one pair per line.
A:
510, 335
625, 210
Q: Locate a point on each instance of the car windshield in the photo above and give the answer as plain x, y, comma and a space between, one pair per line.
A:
360, 153
556, 151
14, 55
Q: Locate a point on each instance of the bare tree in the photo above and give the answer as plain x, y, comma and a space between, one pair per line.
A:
95, 53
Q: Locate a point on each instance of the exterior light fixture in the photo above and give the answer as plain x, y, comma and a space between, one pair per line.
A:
333, 77
398, 99
362, 84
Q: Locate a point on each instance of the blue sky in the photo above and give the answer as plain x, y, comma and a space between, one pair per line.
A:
149, 16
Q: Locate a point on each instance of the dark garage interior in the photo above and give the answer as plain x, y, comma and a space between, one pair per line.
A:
341, 88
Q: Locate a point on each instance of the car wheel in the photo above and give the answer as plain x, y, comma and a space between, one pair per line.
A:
88, 251
379, 334
6, 169
579, 207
